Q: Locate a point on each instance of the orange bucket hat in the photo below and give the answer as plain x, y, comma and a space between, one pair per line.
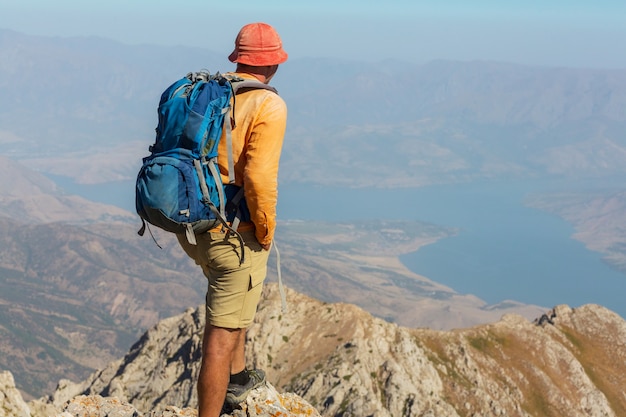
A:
259, 45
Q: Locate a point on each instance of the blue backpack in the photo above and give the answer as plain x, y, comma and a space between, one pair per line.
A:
179, 187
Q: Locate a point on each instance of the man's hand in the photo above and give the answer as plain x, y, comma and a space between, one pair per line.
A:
267, 246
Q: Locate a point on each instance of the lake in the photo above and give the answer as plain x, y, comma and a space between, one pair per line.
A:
504, 250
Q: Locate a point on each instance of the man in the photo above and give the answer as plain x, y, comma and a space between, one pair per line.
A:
234, 288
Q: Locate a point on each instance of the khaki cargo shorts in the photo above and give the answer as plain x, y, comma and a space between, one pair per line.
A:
234, 290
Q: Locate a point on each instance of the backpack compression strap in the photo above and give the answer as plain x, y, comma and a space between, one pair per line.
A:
220, 212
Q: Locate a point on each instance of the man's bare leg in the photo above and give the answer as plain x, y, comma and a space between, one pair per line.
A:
221, 349
238, 363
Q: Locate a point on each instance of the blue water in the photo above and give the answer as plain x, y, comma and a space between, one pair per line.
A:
503, 250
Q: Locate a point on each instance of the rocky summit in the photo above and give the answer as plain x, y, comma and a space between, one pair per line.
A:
337, 360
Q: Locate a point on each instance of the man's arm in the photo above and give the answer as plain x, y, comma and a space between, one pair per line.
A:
263, 152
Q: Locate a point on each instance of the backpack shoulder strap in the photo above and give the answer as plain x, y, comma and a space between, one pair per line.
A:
247, 85
238, 85
241, 85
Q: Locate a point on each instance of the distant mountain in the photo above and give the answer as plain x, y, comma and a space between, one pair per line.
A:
84, 93
567, 363
88, 112
599, 218
446, 122
29, 197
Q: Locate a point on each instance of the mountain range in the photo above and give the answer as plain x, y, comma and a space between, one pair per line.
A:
354, 124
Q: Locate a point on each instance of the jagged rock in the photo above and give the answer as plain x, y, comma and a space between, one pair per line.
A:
264, 401
11, 402
98, 406
267, 402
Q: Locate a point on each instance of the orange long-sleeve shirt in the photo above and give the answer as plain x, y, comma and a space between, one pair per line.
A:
261, 120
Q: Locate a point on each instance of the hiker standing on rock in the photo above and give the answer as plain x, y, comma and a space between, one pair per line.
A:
234, 288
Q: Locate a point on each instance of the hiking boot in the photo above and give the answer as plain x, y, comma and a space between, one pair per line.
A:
237, 393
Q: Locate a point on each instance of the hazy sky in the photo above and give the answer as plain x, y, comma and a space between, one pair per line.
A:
581, 33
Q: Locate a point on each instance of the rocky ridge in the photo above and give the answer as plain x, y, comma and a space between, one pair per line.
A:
344, 362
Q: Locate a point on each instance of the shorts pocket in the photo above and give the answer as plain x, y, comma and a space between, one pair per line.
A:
224, 253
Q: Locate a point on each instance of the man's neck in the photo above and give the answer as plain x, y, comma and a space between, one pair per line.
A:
259, 77
263, 74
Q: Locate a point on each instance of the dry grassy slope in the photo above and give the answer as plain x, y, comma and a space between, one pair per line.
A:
598, 217
72, 298
346, 362
574, 366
